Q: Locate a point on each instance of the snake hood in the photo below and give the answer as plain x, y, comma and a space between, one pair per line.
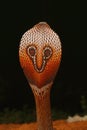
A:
40, 54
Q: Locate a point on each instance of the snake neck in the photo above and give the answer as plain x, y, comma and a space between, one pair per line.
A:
43, 107
41, 92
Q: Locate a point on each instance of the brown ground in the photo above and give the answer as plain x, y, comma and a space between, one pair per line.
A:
58, 125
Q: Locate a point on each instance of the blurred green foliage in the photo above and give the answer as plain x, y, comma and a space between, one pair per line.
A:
58, 114
17, 116
83, 102
27, 115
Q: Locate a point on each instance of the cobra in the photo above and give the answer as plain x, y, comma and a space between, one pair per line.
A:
40, 56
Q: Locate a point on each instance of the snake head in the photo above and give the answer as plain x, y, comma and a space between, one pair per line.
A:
40, 54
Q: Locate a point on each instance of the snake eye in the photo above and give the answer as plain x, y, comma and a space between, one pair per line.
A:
31, 50
47, 52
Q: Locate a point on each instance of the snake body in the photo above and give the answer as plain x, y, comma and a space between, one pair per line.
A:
40, 55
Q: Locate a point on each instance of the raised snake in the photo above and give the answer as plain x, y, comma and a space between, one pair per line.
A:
40, 55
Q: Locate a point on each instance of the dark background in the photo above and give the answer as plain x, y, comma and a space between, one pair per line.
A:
68, 19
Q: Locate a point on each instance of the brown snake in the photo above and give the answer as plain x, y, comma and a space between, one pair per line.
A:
40, 55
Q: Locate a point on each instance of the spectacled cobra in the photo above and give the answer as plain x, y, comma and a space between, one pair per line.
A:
40, 56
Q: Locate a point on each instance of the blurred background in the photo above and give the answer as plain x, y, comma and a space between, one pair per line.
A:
69, 20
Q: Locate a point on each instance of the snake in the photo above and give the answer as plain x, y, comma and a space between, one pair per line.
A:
40, 56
